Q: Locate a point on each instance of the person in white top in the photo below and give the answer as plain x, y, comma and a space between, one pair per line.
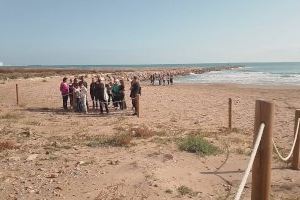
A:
83, 95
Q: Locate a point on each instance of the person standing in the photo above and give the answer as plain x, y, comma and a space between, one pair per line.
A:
103, 96
75, 85
92, 91
85, 84
64, 89
108, 90
122, 95
77, 105
97, 93
159, 79
116, 93
152, 78
171, 79
134, 92
164, 79
71, 93
83, 95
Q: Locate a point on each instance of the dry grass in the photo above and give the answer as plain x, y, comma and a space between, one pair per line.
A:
11, 116
123, 139
120, 129
202, 133
184, 190
168, 191
142, 132
33, 123
7, 145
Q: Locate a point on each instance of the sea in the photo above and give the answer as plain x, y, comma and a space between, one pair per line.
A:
267, 73
279, 73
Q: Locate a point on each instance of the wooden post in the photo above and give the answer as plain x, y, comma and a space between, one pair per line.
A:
17, 94
261, 170
230, 114
138, 105
296, 152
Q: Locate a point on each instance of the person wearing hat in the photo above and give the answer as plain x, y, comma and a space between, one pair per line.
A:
134, 92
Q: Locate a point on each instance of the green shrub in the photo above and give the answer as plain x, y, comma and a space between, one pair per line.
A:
197, 144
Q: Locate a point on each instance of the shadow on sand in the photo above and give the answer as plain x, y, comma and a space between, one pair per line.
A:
93, 113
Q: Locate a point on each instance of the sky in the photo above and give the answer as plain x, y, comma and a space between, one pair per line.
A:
95, 32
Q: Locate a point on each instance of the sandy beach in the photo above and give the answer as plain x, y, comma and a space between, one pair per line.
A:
51, 154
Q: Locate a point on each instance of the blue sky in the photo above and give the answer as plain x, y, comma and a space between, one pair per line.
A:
79, 32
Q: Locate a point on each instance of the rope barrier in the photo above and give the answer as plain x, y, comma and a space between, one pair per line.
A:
252, 157
294, 144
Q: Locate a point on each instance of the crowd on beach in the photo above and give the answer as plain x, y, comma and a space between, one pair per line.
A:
163, 79
102, 93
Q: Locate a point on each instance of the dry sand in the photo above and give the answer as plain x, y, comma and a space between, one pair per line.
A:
52, 160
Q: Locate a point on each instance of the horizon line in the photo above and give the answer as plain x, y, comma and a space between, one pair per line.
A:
247, 62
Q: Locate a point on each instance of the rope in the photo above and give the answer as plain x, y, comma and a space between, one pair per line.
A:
294, 144
256, 145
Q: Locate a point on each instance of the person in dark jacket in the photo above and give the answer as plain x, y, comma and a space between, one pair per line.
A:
74, 85
171, 79
122, 95
134, 92
92, 91
71, 88
97, 93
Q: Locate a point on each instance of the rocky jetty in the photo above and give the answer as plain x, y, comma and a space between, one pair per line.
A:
144, 74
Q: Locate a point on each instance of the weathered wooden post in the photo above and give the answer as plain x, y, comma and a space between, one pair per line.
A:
138, 105
17, 94
261, 171
230, 113
296, 152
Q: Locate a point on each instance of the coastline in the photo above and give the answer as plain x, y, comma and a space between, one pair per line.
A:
7, 73
245, 86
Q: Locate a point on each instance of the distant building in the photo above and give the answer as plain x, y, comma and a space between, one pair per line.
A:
1, 63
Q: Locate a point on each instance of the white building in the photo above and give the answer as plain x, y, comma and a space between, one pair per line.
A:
1, 63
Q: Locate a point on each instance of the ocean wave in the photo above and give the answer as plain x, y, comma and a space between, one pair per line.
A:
242, 77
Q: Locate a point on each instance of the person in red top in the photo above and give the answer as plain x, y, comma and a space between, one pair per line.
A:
64, 89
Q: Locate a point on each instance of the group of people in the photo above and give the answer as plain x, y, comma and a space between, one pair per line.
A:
163, 79
102, 94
